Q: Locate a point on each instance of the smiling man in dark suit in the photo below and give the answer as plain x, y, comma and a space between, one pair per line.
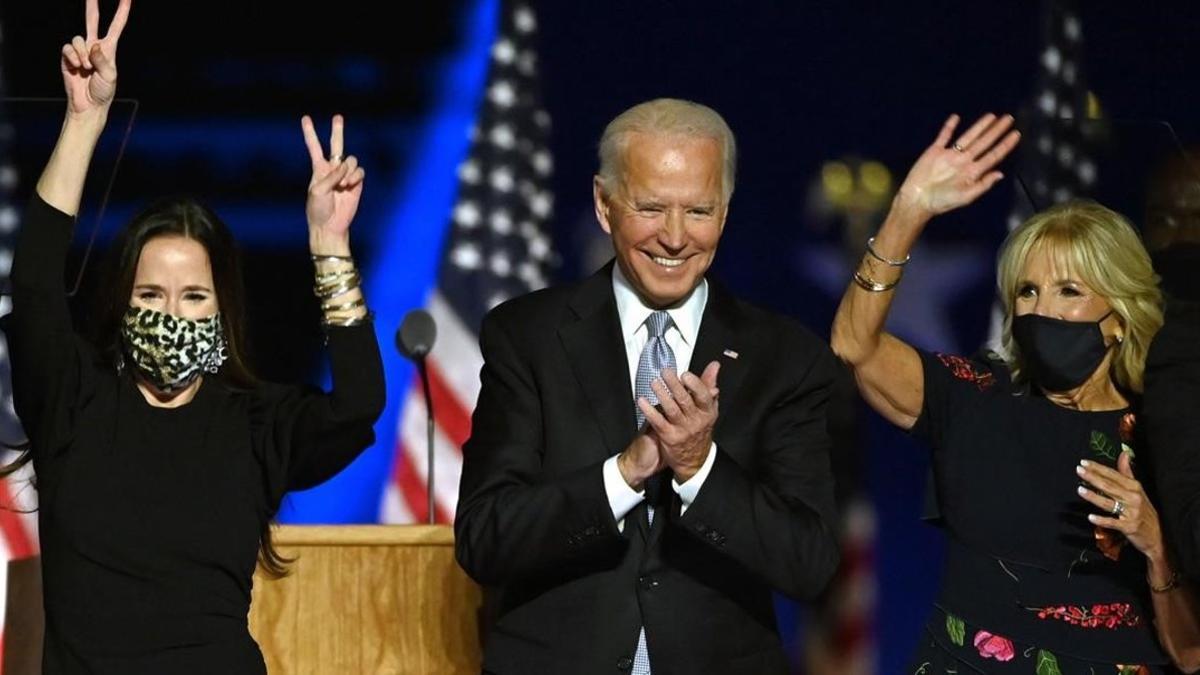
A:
632, 519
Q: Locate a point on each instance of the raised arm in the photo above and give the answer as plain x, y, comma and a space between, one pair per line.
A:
325, 432
41, 340
89, 71
945, 177
333, 195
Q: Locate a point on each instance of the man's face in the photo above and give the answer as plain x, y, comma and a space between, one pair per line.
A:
665, 213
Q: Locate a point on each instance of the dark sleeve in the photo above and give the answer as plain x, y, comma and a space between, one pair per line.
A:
1171, 423
777, 518
310, 435
952, 384
512, 520
45, 353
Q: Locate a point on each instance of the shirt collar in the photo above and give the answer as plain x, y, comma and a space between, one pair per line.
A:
633, 312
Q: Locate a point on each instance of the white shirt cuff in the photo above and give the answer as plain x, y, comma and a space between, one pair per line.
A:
688, 490
621, 497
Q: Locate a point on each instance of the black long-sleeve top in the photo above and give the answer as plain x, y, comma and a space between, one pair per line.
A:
149, 518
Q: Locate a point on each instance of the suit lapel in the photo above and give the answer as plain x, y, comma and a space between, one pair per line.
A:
596, 352
721, 339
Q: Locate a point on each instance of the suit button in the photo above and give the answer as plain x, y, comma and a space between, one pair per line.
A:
647, 582
624, 663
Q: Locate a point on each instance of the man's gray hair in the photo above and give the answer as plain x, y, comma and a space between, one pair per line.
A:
666, 117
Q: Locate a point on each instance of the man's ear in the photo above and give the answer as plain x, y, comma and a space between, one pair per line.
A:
600, 201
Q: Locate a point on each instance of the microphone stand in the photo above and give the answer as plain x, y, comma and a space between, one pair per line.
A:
430, 514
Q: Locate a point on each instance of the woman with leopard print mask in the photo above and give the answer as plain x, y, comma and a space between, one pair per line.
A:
160, 459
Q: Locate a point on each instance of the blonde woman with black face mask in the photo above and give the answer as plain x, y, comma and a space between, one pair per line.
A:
160, 458
1056, 561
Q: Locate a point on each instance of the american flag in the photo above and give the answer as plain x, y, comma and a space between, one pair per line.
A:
1054, 162
497, 248
18, 499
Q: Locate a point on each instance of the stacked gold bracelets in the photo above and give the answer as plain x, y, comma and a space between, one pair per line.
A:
866, 279
339, 287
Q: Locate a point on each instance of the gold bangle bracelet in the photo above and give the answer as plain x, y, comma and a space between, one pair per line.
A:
351, 321
354, 304
332, 258
333, 290
1171, 584
886, 261
872, 286
323, 278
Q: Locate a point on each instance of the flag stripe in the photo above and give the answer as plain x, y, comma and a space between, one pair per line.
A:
16, 538
447, 454
456, 352
416, 497
451, 417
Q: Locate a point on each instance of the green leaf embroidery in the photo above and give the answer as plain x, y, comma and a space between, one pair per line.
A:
956, 629
1102, 446
1047, 664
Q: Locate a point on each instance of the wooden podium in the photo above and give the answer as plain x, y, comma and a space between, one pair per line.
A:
361, 599
372, 599
24, 620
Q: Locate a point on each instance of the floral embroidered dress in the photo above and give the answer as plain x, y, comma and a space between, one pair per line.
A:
1030, 586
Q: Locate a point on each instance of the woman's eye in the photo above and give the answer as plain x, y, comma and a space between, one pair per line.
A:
1026, 292
147, 295
195, 297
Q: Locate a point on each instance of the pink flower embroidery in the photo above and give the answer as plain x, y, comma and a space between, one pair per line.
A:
993, 646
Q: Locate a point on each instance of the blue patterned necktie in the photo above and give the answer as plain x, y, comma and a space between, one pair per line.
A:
656, 355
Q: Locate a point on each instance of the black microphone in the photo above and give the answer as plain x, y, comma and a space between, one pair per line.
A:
415, 339
416, 335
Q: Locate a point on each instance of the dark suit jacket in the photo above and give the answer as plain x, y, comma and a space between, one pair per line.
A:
534, 520
1171, 422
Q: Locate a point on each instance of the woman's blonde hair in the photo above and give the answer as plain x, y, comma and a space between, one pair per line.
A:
1099, 247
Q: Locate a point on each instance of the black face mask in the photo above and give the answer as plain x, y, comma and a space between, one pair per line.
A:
1059, 355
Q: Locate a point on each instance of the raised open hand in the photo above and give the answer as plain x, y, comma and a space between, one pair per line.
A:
335, 188
89, 63
947, 176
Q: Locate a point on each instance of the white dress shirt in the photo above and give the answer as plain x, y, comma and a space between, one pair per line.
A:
681, 337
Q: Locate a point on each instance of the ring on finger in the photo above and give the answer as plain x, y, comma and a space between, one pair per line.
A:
1118, 508
335, 159
959, 148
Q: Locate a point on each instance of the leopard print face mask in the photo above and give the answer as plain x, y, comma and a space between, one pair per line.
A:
171, 351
